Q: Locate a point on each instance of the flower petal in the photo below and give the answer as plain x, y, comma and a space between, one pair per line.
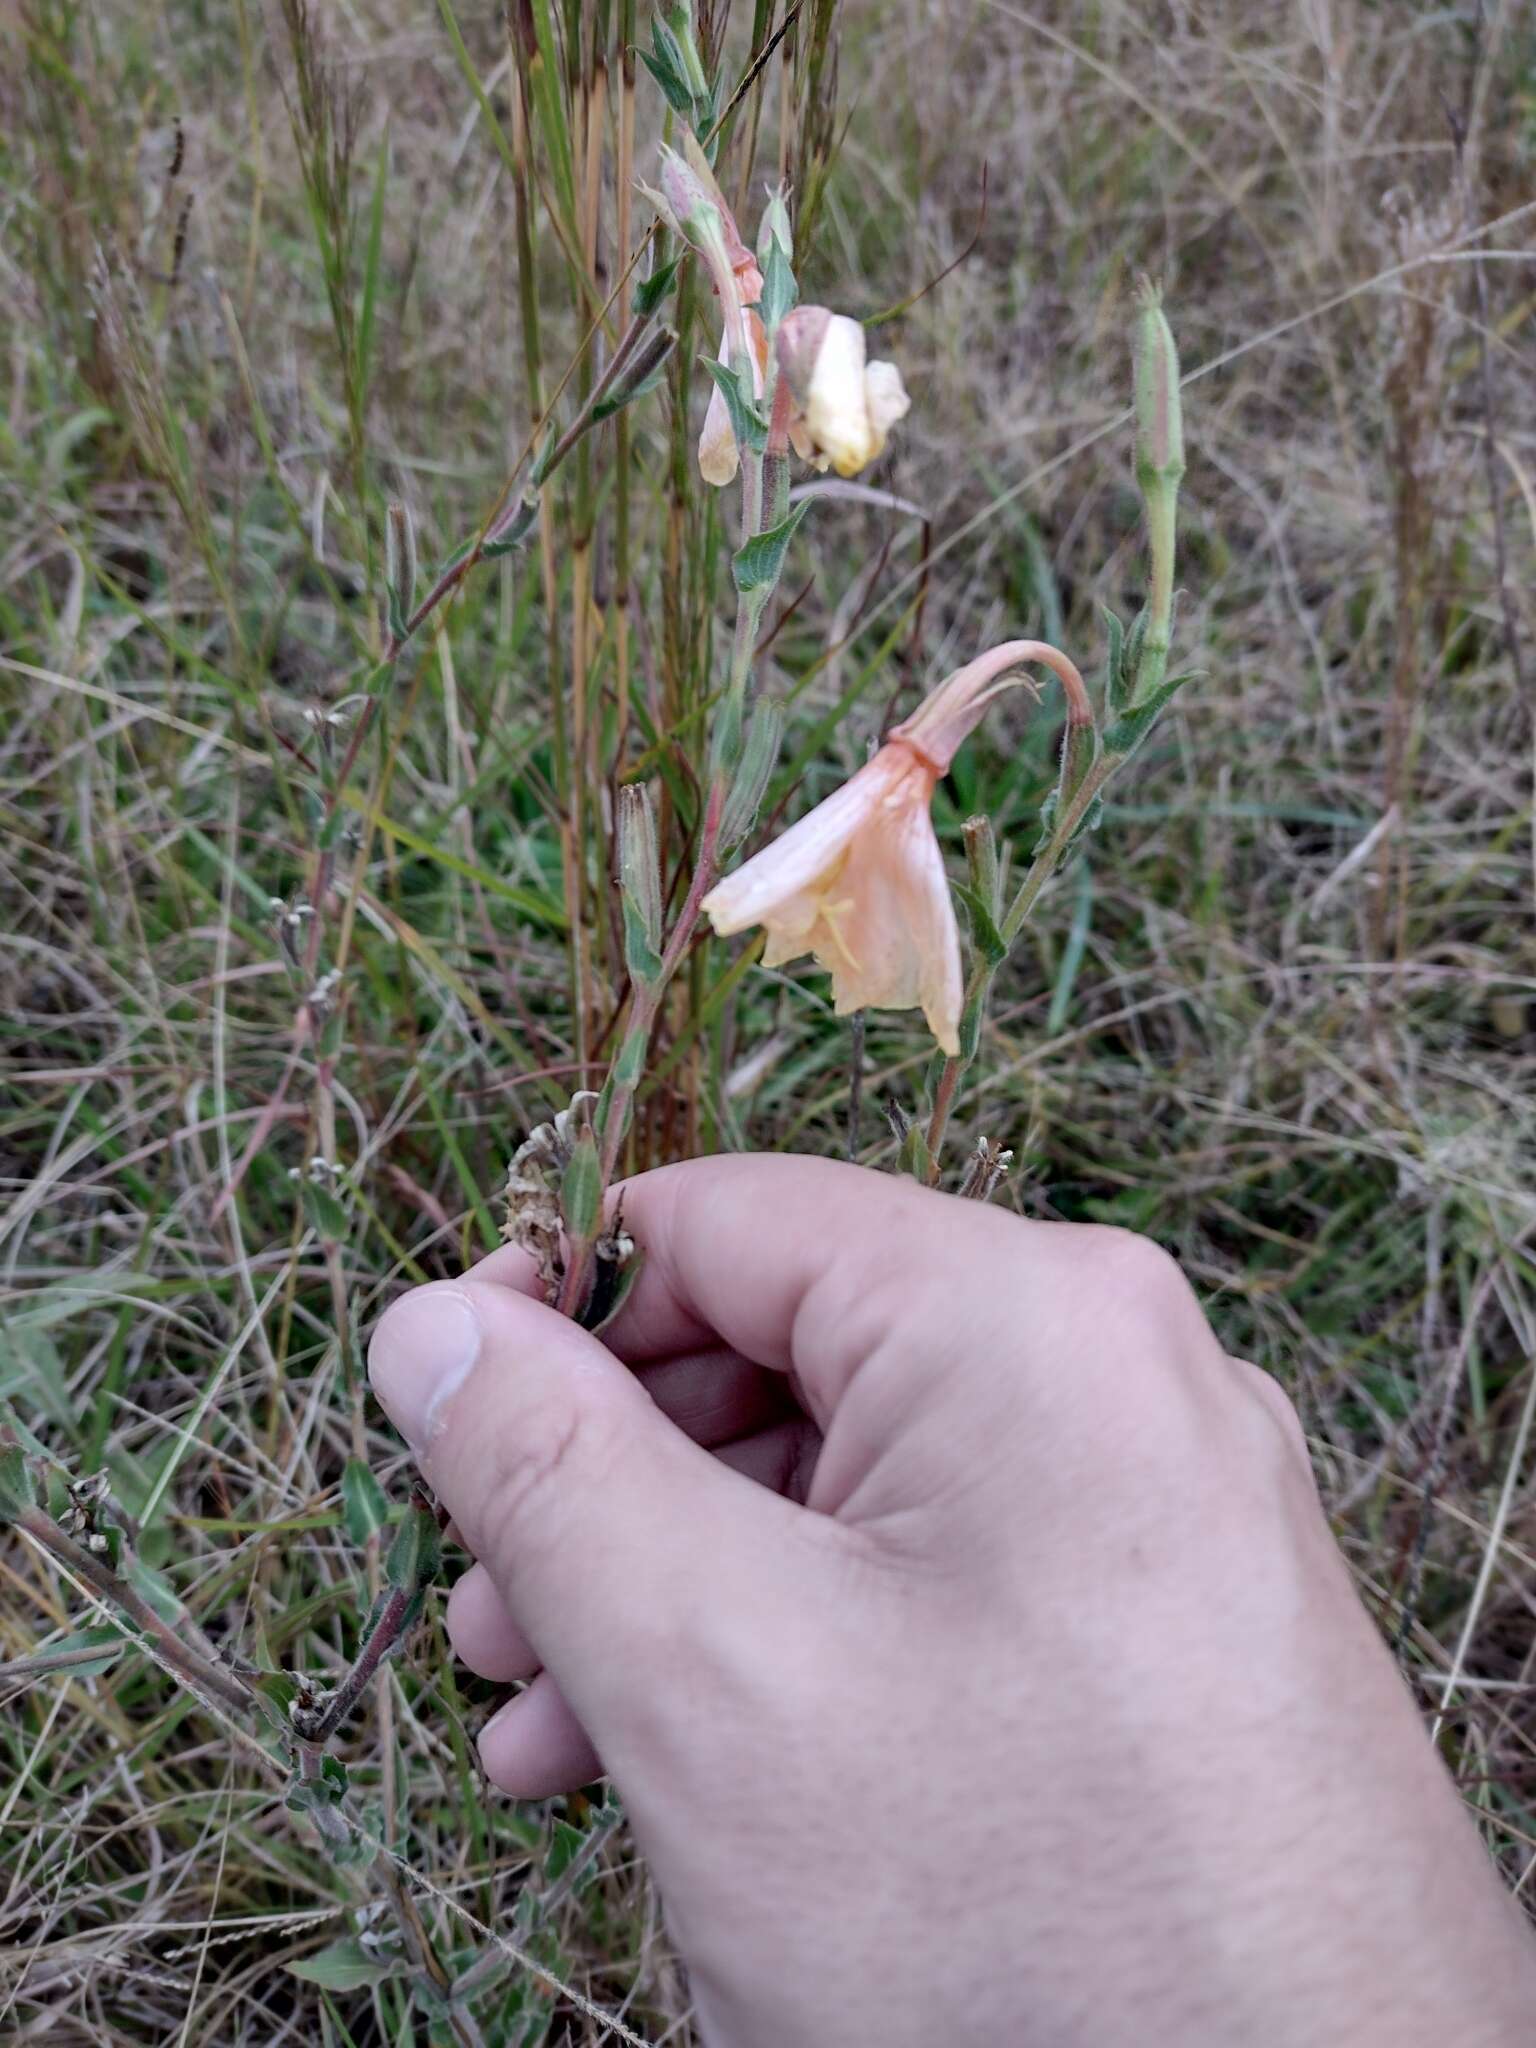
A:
788, 866
719, 457
888, 931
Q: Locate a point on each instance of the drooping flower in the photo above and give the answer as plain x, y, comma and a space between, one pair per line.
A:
845, 407
859, 882
719, 457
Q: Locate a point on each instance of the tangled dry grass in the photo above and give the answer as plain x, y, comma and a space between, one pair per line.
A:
1279, 1015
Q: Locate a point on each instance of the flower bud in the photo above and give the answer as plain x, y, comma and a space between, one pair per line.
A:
1159, 415
774, 229
400, 554
639, 881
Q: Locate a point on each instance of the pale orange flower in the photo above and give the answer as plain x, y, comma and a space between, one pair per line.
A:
859, 882
845, 406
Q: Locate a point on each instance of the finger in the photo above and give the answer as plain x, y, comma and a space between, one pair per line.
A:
715, 1396
602, 1526
807, 1265
782, 1458
484, 1636
818, 1268
535, 1747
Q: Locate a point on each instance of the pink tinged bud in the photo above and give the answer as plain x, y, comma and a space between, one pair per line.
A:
846, 407
696, 206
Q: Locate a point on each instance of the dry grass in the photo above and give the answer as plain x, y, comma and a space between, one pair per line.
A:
1279, 1015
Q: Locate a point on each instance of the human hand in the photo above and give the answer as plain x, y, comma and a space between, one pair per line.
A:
960, 1626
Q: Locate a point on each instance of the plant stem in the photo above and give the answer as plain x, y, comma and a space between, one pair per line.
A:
1040, 870
200, 1674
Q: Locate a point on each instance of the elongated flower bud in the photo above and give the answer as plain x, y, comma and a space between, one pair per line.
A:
640, 882
400, 554
1159, 414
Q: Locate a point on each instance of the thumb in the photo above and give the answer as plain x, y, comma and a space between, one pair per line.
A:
615, 1542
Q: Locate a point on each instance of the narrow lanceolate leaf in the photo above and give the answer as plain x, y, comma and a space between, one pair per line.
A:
747, 423
326, 1214
675, 89
916, 1159
510, 537
640, 956
988, 940
15, 1485
1117, 679
650, 291
581, 1189
417, 1550
1132, 727
344, 1966
780, 292
759, 562
759, 756
364, 1507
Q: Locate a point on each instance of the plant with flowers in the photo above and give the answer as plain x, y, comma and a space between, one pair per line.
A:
664, 804
860, 882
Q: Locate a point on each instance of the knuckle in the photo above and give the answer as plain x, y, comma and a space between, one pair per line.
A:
1279, 1422
1135, 1270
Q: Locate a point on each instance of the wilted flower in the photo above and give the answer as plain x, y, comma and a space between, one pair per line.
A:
719, 457
844, 406
860, 881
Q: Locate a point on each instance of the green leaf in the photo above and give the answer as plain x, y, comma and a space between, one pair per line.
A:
565, 1846
417, 1551
544, 460
650, 291
15, 1483
640, 956
969, 1033
345, 1966
326, 1214
460, 553
153, 1588
612, 1284
630, 1063
1117, 683
780, 292
759, 562
514, 533
916, 1159
109, 1640
988, 940
759, 754
1135, 640
673, 86
364, 1506
1132, 726
581, 1189
747, 423
395, 616
640, 382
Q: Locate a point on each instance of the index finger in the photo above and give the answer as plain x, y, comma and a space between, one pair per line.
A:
801, 1264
